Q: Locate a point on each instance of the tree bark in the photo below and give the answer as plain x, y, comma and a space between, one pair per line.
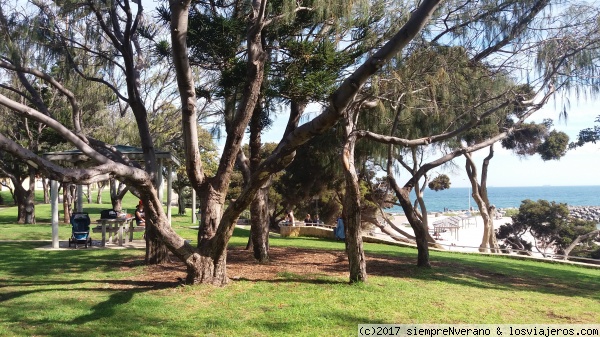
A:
480, 195
25, 205
259, 228
211, 248
67, 202
180, 201
117, 192
421, 231
101, 186
89, 194
46, 188
259, 208
351, 211
156, 251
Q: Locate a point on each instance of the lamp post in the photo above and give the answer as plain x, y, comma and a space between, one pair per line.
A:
469, 195
470, 187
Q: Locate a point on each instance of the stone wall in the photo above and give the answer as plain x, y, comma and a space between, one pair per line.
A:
585, 212
312, 231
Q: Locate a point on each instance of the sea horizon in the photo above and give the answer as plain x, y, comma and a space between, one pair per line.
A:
459, 198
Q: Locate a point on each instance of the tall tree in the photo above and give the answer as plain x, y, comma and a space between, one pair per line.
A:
528, 139
216, 230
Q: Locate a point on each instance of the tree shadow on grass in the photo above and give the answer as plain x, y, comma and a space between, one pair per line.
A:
492, 272
19, 259
289, 265
297, 326
79, 285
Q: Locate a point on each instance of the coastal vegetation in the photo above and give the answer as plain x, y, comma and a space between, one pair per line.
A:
552, 230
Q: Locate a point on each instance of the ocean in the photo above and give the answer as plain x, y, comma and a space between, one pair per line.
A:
458, 198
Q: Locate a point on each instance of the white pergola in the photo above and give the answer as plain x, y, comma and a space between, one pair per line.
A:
76, 158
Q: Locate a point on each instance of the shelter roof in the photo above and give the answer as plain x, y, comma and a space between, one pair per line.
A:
77, 158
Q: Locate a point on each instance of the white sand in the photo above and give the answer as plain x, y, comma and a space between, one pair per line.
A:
469, 237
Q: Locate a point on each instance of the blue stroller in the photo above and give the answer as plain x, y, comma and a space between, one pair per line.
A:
80, 233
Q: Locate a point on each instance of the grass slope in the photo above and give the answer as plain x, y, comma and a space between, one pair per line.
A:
98, 292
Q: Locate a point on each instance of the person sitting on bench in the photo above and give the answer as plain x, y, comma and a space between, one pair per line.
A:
140, 218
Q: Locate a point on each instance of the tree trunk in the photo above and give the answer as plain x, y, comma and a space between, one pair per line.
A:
46, 189
117, 204
180, 201
480, 195
67, 200
421, 231
101, 186
117, 192
89, 194
259, 207
156, 251
212, 248
25, 199
25, 206
351, 212
579, 239
259, 225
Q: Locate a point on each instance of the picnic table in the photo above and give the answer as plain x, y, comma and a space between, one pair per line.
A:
113, 226
451, 224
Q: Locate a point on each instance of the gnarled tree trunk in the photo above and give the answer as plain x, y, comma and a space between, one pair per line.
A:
259, 229
212, 251
479, 193
67, 202
25, 205
351, 212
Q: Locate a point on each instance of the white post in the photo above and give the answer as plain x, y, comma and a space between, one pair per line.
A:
470, 187
194, 220
169, 191
54, 212
159, 181
79, 198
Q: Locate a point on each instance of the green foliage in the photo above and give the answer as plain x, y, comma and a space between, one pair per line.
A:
589, 135
440, 183
511, 212
314, 172
548, 222
527, 139
214, 39
554, 146
532, 138
310, 70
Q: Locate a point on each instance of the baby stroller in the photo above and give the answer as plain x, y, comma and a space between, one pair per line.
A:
80, 232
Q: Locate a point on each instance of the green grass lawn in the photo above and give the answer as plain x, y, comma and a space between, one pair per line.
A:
98, 292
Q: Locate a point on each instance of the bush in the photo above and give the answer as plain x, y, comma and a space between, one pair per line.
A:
511, 212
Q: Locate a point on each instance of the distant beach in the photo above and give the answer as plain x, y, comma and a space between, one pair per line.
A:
466, 239
458, 198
